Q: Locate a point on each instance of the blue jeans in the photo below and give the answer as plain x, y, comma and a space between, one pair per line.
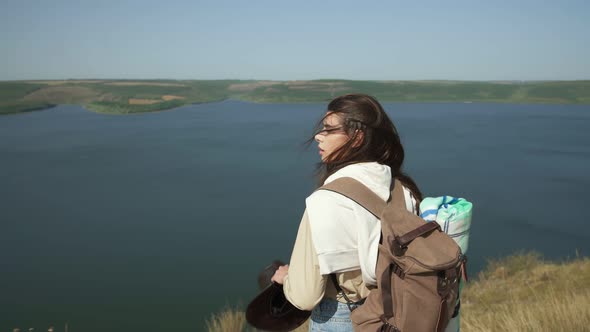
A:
330, 316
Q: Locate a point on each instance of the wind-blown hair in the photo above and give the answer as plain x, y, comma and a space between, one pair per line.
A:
378, 142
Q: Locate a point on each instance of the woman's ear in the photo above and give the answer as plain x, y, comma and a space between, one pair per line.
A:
359, 137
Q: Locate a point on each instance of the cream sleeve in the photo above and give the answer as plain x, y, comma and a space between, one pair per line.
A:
303, 286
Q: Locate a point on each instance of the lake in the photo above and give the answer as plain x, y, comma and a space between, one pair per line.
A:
154, 221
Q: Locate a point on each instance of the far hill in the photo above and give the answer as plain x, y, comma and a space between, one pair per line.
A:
133, 96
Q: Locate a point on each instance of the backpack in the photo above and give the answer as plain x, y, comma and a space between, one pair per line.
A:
418, 270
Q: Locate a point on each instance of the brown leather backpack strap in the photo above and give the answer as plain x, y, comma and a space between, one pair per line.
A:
398, 200
388, 304
357, 192
428, 227
387, 299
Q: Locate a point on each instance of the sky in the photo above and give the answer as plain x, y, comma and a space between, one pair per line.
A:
295, 40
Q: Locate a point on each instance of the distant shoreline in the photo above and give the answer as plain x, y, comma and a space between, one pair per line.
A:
140, 96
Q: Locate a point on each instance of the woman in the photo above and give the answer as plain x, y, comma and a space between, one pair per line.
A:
336, 235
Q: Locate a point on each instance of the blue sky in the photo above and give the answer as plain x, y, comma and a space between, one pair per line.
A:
288, 40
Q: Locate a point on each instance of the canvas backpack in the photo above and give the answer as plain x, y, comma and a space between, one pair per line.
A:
418, 270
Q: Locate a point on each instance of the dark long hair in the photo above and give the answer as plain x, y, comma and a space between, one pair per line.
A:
379, 141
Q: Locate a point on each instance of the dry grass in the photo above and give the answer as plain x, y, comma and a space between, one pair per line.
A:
550, 311
140, 101
171, 97
244, 87
61, 82
57, 94
516, 293
144, 101
229, 320
523, 293
135, 83
234, 320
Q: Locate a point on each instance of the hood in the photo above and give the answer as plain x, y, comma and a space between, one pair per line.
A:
375, 176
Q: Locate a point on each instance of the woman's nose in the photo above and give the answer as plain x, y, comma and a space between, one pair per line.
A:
317, 137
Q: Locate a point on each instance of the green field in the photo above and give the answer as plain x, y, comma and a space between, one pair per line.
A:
135, 96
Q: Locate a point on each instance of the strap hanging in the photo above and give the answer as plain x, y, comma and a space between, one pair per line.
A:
388, 308
349, 303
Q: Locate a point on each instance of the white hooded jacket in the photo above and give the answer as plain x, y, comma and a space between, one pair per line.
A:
336, 235
344, 234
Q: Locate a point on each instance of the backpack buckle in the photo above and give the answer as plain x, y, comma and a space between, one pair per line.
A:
397, 248
398, 270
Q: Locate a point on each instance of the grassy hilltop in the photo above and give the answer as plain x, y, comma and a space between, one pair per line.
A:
518, 293
134, 96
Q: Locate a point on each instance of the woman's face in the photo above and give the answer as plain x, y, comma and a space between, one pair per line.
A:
332, 136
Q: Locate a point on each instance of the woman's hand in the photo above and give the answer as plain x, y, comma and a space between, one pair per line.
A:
280, 274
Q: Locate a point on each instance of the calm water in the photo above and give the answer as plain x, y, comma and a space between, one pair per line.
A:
151, 222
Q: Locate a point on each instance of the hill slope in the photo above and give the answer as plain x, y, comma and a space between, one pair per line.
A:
517, 293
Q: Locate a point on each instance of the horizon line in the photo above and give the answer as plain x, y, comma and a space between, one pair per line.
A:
291, 80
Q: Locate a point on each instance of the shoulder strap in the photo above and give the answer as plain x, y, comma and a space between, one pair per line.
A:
398, 200
357, 192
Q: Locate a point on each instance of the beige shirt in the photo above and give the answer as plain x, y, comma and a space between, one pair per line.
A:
304, 287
